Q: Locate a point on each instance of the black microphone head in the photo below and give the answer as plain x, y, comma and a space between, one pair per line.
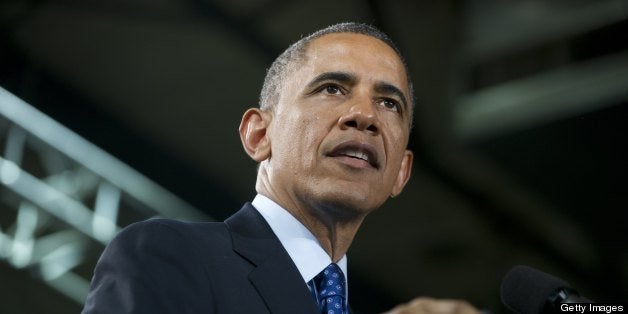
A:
527, 290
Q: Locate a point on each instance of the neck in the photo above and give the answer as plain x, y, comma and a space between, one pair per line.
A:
333, 226
334, 233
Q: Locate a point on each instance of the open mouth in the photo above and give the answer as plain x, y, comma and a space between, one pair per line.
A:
361, 152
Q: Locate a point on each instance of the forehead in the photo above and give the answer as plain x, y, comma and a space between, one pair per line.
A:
363, 55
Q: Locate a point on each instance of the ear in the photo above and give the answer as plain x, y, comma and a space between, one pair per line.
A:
252, 130
404, 173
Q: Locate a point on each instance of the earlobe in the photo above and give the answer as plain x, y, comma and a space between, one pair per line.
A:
404, 173
253, 134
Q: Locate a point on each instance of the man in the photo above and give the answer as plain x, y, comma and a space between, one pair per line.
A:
330, 137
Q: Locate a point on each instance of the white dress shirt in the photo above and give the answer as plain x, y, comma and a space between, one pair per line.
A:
304, 249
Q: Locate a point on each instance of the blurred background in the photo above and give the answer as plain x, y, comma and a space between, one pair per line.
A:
117, 111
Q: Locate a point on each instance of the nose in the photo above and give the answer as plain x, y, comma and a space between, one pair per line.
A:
360, 116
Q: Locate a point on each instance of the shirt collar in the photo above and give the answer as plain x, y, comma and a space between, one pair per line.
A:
304, 249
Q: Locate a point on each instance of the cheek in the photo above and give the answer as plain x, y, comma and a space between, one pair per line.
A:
309, 136
296, 139
397, 142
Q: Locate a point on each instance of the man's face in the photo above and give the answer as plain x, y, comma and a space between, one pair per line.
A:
339, 132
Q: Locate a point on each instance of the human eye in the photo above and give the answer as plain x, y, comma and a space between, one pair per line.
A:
332, 89
390, 104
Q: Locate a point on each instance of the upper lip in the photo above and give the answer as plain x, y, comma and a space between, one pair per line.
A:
355, 149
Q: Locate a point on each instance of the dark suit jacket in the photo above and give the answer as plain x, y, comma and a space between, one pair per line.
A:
166, 266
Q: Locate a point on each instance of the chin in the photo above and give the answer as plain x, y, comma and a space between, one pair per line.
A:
342, 198
348, 203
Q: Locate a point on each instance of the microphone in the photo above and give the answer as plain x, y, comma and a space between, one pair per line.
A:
527, 290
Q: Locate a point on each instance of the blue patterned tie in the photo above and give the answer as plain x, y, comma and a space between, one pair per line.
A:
331, 288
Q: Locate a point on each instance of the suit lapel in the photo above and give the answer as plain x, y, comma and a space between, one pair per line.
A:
275, 276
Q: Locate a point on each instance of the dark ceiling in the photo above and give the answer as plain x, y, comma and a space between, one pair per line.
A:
519, 137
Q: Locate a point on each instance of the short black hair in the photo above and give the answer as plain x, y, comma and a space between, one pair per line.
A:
287, 61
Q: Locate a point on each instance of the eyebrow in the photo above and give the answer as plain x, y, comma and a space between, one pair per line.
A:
341, 77
350, 79
389, 89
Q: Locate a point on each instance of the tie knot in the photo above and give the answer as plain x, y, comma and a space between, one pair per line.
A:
331, 282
